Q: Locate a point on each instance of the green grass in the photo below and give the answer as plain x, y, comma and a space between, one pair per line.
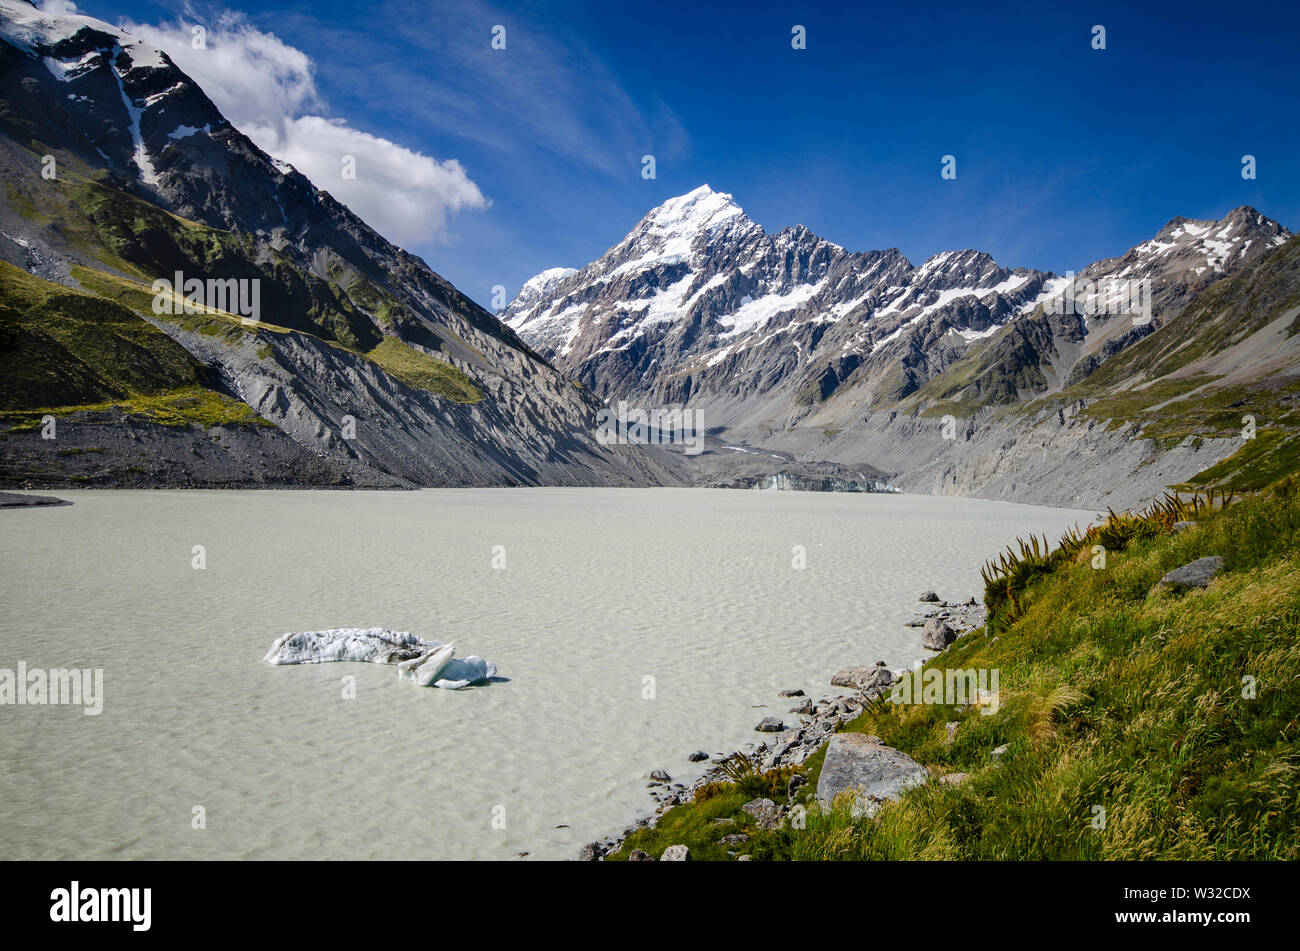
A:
188, 406
59, 346
128, 236
1259, 462
1114, 693
421, 371
694, 827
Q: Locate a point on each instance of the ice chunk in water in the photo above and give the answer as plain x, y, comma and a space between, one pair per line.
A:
425, 662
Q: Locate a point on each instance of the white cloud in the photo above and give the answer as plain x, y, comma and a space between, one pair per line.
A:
58, 7
267, 89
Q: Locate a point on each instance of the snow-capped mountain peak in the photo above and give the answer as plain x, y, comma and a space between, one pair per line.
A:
36, 31
680, 227
543, 282
698, 299
697, 210
698, 283
1199, 245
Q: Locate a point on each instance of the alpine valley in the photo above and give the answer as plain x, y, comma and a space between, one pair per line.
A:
812, 366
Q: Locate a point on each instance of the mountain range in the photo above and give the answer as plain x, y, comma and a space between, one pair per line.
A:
788, 342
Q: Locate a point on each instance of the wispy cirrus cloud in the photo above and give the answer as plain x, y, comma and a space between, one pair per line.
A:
268, 90
549, 90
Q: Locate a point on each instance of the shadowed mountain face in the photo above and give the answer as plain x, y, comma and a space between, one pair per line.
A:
370, 368
791, 343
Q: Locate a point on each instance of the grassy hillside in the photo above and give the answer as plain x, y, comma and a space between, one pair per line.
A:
1115, 693
132, 237
63, 350
423, 372
67, 348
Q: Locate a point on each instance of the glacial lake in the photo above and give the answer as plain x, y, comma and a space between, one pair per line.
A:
601, 590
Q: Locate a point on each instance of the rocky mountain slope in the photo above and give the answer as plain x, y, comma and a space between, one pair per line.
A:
363, 367
698, 299
790, 343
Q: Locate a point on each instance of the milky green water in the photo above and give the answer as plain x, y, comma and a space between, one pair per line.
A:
601, 590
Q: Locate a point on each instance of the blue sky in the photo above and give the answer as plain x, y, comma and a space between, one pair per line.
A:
1065, 154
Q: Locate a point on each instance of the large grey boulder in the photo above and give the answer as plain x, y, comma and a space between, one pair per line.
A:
676, 853
874, 771
929, 597
937, 635
1194, 574
863, 678
770, 725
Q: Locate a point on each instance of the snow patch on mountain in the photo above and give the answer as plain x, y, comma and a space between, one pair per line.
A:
31, 29
753, 314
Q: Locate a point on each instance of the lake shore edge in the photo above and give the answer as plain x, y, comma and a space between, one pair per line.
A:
794, 746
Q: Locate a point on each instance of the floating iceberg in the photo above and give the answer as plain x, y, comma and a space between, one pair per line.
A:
425, 662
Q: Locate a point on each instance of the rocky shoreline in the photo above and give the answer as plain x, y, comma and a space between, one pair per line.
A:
942, 623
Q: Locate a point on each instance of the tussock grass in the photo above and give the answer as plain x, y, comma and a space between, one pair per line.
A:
1007, 579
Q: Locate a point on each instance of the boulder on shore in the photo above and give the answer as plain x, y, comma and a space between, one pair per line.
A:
929, 596
770, 725
676, 853
937, 634
874, 771
862, 678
